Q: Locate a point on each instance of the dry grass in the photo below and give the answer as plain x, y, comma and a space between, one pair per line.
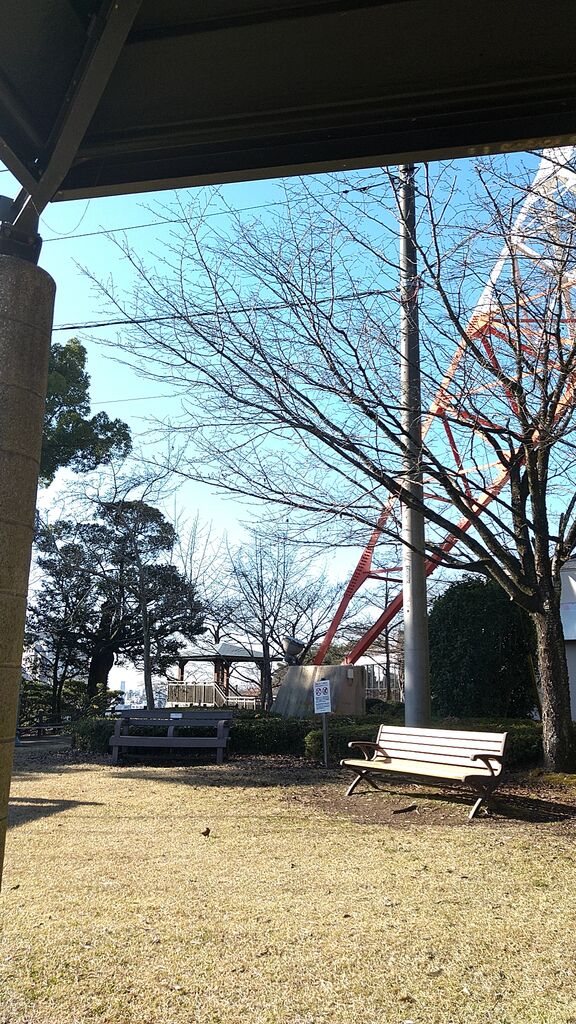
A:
116, 908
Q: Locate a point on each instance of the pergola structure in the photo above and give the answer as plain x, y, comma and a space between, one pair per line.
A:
223, 658
101, 97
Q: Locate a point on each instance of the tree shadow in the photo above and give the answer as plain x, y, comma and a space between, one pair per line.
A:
264, 771
22, 810
518, 807
231, 775
532, 808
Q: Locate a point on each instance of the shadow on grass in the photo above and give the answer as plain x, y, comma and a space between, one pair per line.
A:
247, 773
502, 805
22, 810
265, 771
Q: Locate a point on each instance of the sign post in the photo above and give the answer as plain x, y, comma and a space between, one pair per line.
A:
323, 706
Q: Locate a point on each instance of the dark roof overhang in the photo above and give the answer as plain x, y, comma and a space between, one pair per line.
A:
100, 97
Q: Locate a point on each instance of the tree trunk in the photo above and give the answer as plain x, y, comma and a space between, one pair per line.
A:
56, 688
145, 620
101, 662
148, 688
266, 677
554, 689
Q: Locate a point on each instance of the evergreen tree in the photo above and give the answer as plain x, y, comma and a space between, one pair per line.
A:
481, 650
108, 593
72, 437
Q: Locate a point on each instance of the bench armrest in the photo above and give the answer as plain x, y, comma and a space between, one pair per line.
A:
487, 759
365, 746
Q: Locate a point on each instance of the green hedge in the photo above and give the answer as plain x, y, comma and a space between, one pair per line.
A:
252, 733
524, 737
92, 734
262, 733
266, 733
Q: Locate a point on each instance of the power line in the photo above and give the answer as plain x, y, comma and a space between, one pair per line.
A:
136, 398
64, 237
273, 307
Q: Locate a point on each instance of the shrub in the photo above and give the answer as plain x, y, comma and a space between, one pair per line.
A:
385, 710
481, 645
266, 733
251, 733
92, 734
524, 737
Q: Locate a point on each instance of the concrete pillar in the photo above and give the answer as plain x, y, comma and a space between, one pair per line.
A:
26, 307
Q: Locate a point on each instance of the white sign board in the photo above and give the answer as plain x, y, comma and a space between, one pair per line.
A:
322, 697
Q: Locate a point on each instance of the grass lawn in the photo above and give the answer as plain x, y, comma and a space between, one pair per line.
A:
298, 908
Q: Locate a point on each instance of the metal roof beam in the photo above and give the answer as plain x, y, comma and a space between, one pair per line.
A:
106, 37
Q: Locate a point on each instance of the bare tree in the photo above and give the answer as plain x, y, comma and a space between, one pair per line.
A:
281, 337
279, 593
204, 559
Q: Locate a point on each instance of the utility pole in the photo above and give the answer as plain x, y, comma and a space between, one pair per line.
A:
416, 663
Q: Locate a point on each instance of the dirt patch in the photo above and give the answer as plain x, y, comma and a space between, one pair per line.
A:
402, 805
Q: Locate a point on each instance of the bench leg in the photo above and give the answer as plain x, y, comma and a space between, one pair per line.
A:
362, 776
219, 755
476, 807
484, 798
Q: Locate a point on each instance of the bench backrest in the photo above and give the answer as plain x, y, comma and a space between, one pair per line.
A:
441, 746
194, 715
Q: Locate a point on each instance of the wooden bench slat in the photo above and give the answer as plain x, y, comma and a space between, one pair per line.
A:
441, 737
404, 766
170, 741
164, 713
400, 742
456, 755
446, 733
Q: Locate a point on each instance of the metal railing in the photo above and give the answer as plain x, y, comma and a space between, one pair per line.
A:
379, 687
207, 695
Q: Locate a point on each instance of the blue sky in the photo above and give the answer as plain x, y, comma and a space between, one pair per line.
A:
73, 237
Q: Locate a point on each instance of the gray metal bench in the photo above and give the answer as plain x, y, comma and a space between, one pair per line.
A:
473, 759
212, 727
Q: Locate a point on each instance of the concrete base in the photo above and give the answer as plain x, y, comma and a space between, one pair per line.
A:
347, 683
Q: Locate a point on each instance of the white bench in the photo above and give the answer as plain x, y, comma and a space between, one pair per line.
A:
472, 759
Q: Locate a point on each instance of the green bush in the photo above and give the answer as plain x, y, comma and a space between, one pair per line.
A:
265, 733
92, 734
339, 736
390, 711
251, 733
481, 646
524, 737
